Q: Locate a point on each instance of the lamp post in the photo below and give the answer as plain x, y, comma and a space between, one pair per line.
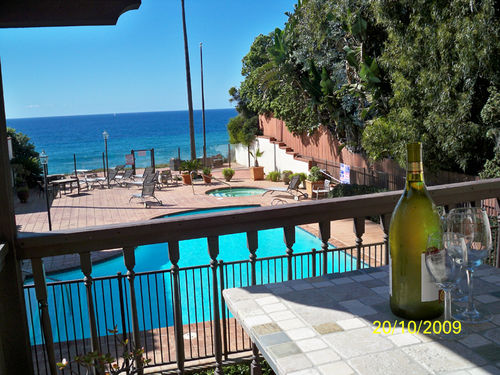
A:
105, 135
44, 158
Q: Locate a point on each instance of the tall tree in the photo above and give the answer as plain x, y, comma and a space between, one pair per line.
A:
188, 81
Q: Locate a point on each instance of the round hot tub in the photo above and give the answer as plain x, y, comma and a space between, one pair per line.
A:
236, 192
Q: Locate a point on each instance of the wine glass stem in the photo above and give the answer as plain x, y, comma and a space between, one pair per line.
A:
470, 301
447, 304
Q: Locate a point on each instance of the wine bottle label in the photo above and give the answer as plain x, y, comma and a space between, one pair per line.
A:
430, 291
390, 275
415, 167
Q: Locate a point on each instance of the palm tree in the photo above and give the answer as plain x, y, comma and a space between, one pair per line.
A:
188, 81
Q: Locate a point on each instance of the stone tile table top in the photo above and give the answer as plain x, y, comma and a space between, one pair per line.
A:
325, 326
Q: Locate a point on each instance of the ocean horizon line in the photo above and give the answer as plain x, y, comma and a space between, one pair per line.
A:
116, 113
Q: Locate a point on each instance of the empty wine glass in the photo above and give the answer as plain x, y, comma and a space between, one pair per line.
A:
471, 224
443, 269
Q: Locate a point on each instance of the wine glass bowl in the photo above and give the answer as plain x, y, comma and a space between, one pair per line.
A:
470, 238
443, 269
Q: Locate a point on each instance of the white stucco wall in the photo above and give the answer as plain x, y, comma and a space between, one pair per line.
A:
274, 158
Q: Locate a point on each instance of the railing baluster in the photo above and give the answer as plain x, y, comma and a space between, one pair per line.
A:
223, 309
86, 265
289, 237
129, 259
41, 296
173, 254
213, 251
122, 312
359, 230
253, 243
324, 232
385, 221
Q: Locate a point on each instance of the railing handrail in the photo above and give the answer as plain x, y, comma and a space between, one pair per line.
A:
215, 224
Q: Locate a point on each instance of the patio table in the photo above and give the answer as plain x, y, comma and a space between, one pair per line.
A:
64, 182
325, 325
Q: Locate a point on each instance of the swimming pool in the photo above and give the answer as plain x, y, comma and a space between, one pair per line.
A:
236, 192
153, 282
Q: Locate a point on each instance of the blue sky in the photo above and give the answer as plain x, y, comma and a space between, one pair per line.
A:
137, 65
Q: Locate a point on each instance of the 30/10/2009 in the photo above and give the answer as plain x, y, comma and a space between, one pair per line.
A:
425, 327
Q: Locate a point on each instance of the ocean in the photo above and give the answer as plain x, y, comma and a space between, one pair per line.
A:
63, 136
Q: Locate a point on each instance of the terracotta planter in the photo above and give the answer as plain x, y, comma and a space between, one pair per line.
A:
207, 178
313, 185
257, 173
186, 178
23, 195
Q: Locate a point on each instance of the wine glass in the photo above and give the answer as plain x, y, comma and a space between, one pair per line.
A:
443, 269
473, 225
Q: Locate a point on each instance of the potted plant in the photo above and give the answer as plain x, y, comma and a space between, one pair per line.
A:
228, 173
314, 180
188, 167
257, 172
20, 182
285, 176
207, 175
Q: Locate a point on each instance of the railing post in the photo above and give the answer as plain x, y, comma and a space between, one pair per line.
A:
324, 232
173, 254
253, 243
223, 309
16, 357
213, 251
313, 262
129, 259
41, 296
86, 266
498, 233
289, 237
385, 221
359, 230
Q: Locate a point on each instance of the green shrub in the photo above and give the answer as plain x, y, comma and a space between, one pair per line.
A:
207, 171
26, 159
228, 173
315, 175
347, 190
190, 165
274, 176
238, 369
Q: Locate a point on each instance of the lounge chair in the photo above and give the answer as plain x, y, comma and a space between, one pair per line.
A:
165, 177
92, 181
147, 171
324, 190
124, 178
149, 178
148, 191
292, 189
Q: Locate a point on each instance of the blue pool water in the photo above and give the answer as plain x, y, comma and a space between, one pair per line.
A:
236, 192
68, 306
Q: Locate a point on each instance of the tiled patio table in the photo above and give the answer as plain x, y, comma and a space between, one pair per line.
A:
325, 325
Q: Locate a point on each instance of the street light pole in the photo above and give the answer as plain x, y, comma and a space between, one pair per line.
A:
44, 158
105, 135
203, 110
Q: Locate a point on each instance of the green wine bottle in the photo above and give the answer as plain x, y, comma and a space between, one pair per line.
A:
413, 295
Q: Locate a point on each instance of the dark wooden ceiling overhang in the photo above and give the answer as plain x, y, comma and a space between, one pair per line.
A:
39, 13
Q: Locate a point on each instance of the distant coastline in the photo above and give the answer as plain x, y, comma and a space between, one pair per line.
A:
63, 136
